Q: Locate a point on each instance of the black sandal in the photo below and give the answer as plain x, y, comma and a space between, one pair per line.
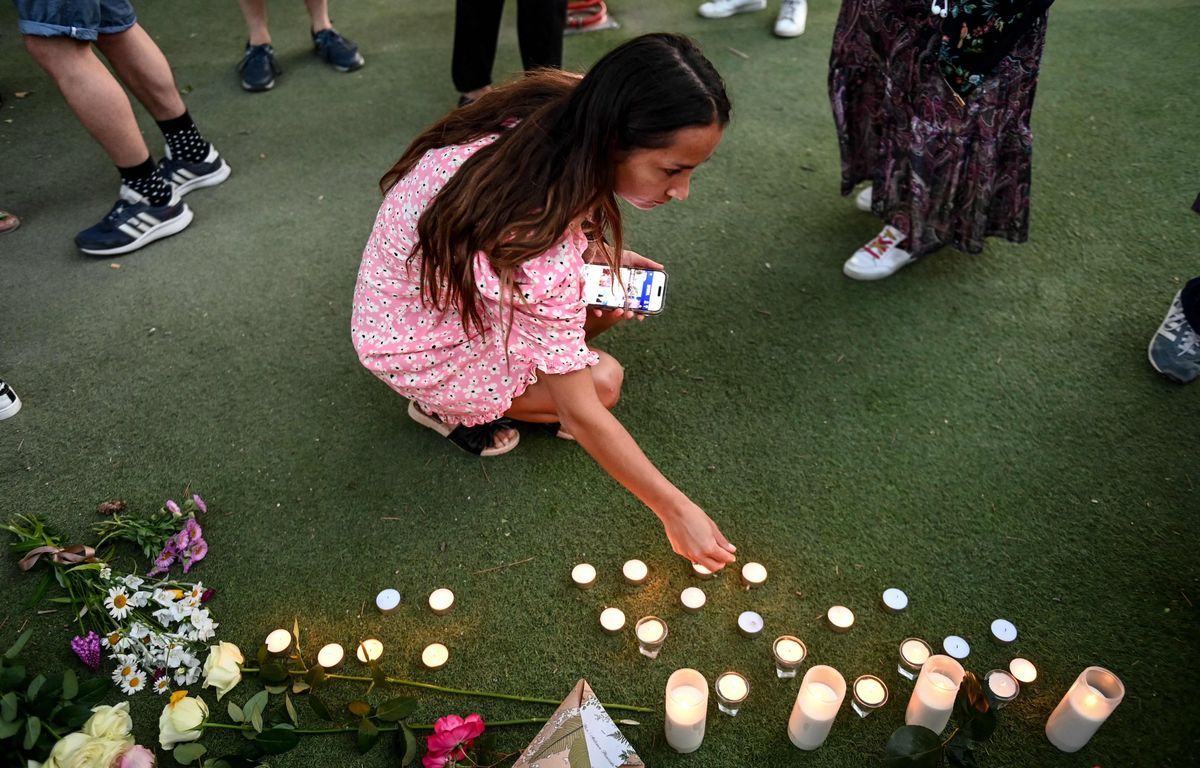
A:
552, 428
478, 440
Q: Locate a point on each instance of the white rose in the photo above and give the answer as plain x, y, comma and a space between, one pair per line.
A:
79, 750
109, 722
180, 720
221, 670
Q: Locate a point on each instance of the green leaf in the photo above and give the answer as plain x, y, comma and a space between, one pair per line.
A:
34, 686
975, 715
315, 676
16, 647
318, 707
92, 690
273, 672
395, 710
12, 677
368, 736
235, 712
277, 740
256, 721
291, 710
188, 753
8, 706
410, 746
33, 729
958, 751
70, 685
74, 716
10, 728
256, 705
299, 686
275, 690
913, 746
359, 708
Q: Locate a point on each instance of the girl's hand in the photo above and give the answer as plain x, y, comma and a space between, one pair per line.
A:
633, 261
695, 536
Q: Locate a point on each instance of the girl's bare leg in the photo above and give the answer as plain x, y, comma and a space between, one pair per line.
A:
537, 405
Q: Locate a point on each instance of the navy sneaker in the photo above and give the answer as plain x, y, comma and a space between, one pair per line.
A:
341, 54
133, 223
258, 67
1175, 348
186, 176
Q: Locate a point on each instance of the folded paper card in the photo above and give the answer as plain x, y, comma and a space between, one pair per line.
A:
580, 734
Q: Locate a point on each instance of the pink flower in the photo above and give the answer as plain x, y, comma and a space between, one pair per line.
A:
162, 563
173, 508
452, 737
190, 532
432, 760
194, 554
199, 502
136, 756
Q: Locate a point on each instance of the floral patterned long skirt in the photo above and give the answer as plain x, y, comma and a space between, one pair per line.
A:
945, 173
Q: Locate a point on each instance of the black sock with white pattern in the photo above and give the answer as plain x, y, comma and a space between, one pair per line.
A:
183, 138
147, 181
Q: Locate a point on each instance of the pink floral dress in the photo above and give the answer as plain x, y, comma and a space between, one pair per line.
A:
423, 353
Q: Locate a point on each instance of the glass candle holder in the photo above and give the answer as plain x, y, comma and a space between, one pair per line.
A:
933, 696
821, 694
279, 642
867, 694
651, 633
732, 690
1087, 704
1001, 687
913, 654
789, 653
686, 710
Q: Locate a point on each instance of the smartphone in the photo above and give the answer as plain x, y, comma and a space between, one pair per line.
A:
639, 290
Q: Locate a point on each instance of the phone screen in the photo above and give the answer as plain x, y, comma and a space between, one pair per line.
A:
641, 290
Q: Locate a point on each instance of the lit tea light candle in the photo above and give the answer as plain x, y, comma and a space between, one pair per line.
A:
732, 690
387, 601
701, 572
331, 656
635, 572
651, 633
821, 694
279, 642
1002, 686
1087, 704
789, 653
913, 653
692, 599
754, 575
894, 600
840, 618
933, 696
750, 623
686, 710
369, 650
435, 656
612, 620
1023, 670
956, 647
868, 694
584, 575
1004, 631
441, 601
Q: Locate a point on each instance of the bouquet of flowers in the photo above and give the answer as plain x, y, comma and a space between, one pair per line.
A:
171, 534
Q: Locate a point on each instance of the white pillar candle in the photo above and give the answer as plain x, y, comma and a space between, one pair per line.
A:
686, 710
750, 623
435, 656
1004, 631
331, 656
894, 600
868, 693
441, 601
732, 690
817, 703
789, 653
913, 653
701, 572
387, 601
584, 575
612, 620
278, 642
933, 696
1087, 704
754, 574
1001, 686
635, 572
369, 650
692, 599
1023, 670
840, 618
651, 633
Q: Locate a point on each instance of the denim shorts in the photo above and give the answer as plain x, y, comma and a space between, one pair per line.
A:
79, 19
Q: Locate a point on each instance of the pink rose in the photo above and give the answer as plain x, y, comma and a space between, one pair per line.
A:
453, 735
136, 756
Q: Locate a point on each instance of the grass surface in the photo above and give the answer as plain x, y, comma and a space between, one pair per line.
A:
983, 432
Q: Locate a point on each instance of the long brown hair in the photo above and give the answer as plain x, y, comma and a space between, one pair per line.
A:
515, 198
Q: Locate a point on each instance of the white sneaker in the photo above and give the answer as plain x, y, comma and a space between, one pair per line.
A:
723, 9
793, 15
862, 201
879, 258
9, 402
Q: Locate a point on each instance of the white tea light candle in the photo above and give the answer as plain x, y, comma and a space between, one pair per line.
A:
387, 601
1004, 631
840, 618
754, 574
331, 656
435, 656
612, 620
789, 653
732, 690
701, 572
369, 650
821, 694
956, 647
686, 710
894, 600
584, 575
692, 599
651, 633
441, 601
1023, 670
913, 653
279, 642
750, 624
868, 694
1002, 686
933, 696
1087, 704
635, 572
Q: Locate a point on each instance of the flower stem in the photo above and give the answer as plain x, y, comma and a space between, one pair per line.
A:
382, 729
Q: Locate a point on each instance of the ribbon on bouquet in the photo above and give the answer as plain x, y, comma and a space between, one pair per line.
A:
75, 554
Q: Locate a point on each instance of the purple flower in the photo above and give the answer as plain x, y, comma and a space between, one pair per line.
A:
185, 538
173, 508
199, 502
159, 673
194, 554
88, 650
163, 562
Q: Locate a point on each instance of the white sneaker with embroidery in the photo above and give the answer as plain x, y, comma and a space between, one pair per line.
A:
723, 9
793, 15
880, 258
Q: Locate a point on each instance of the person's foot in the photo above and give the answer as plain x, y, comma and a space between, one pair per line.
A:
793, 15
862, 201
132, 224
723, 9
258, 67
341, 54
1175, 347
9, 402
8, 222
880, 258
187, 177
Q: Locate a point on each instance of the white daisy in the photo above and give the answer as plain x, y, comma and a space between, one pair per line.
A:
126, 669
116, 641
134, 683
117, 603
162, 685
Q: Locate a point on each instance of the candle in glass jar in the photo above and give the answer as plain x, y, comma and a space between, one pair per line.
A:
1087, 704
732, 690
635, 572
754, 574
441, 601
789, 653
933, 696
840, 618
435, 656
278, 642
821, 694
913, 653
651, 633
331, 656
584, 575
612, 620
1002, 686
686, 710
1023, 670
869, 694
369, 650
692, 599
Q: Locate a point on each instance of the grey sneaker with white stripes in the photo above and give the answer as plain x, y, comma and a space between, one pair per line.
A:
133, 223
187, 176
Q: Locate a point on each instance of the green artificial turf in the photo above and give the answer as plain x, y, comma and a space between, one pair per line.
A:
983, 432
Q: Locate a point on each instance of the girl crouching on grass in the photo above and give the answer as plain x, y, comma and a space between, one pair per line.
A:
469, 299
